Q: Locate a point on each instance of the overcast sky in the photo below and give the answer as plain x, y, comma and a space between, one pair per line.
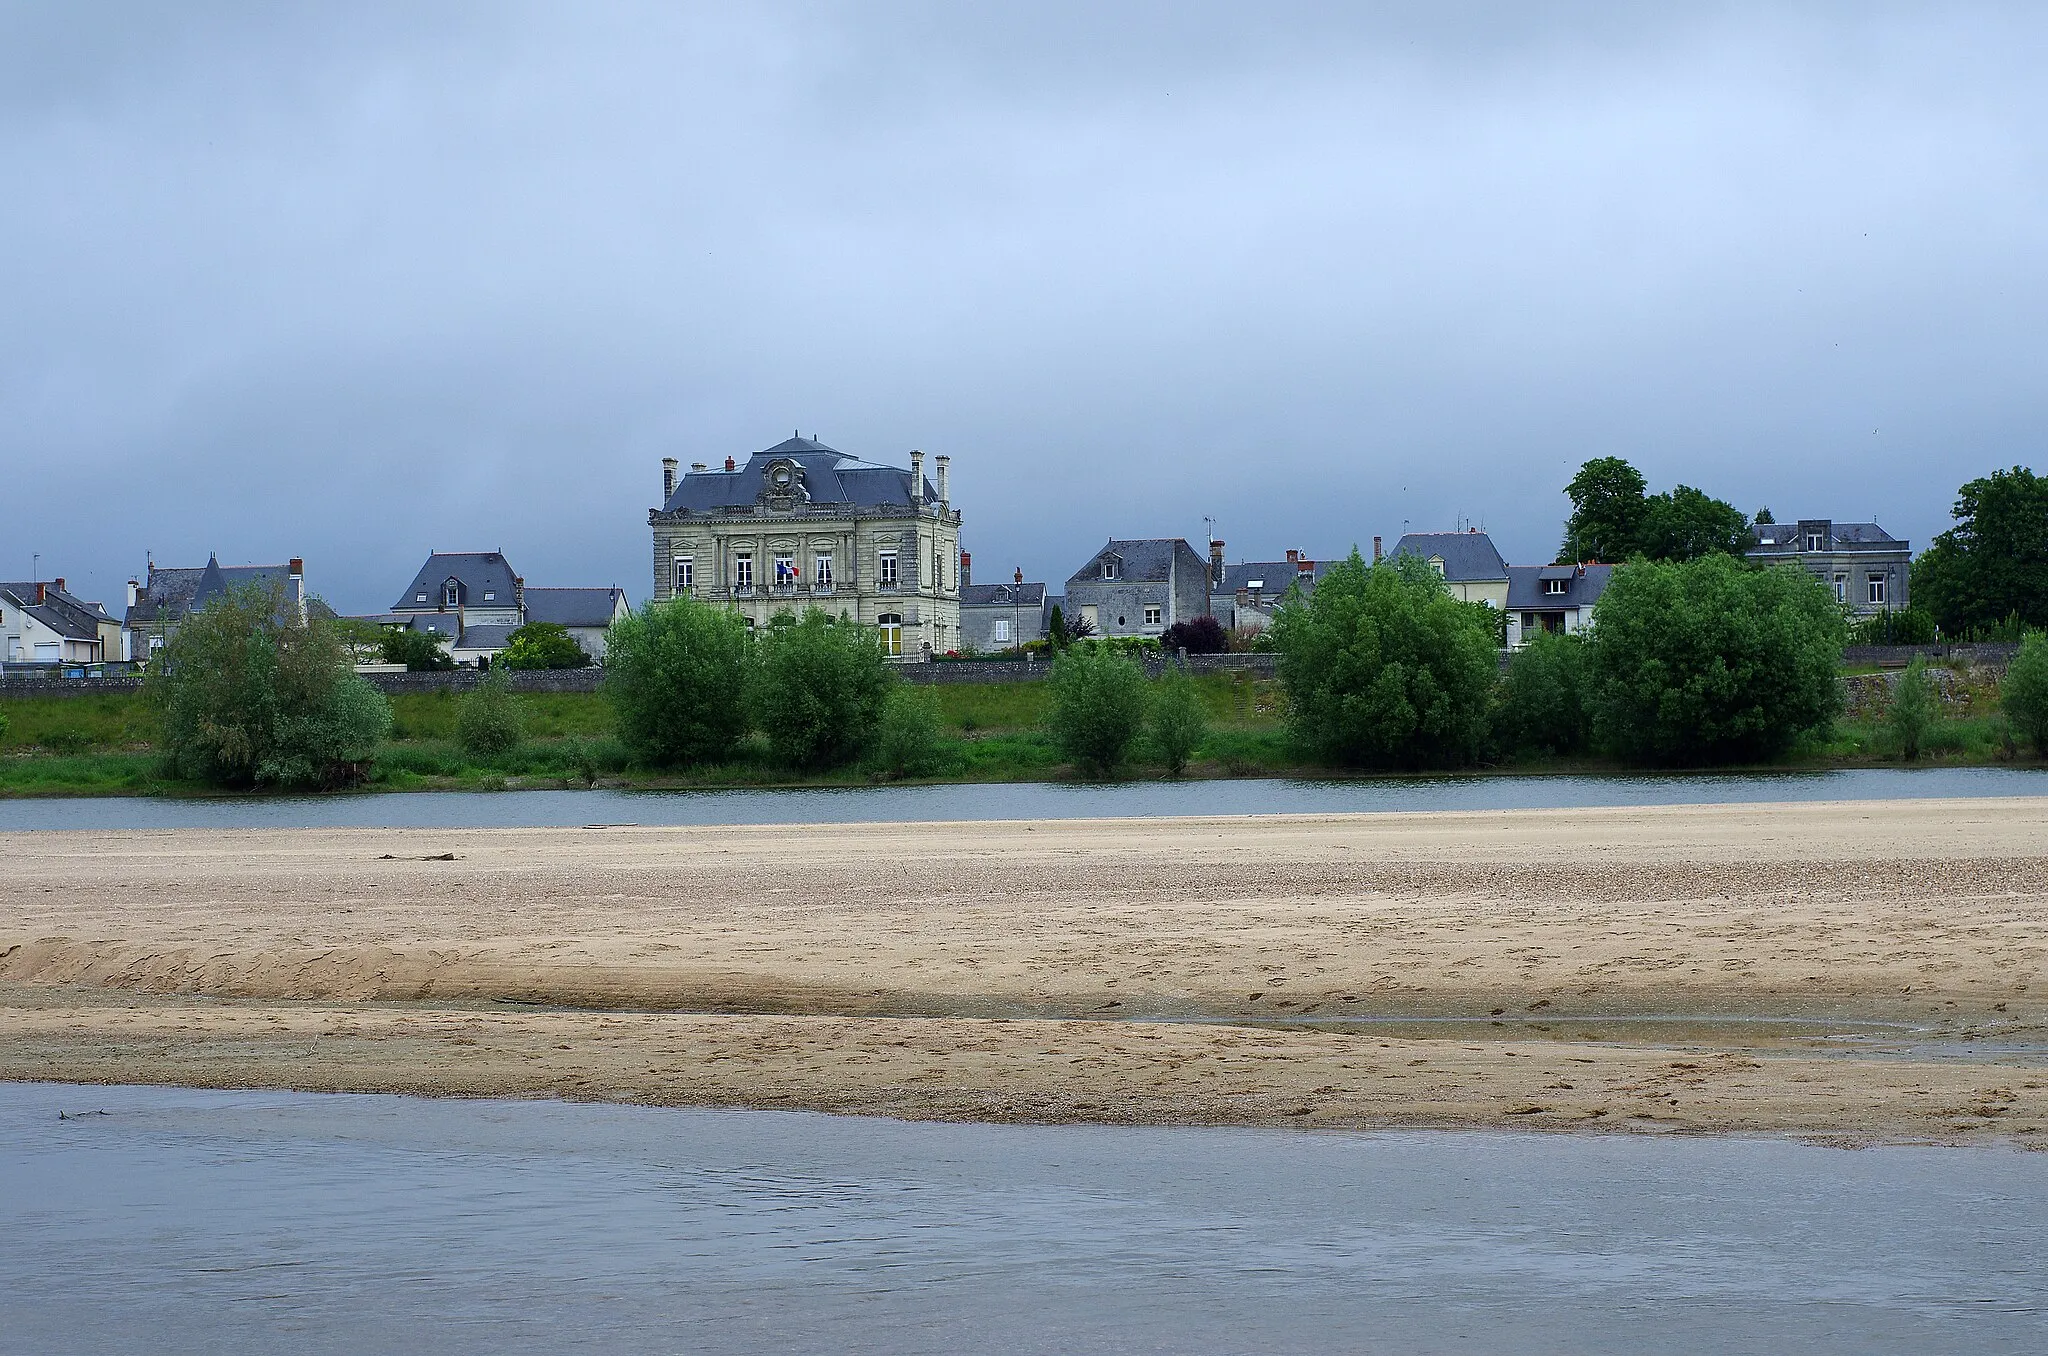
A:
358, 281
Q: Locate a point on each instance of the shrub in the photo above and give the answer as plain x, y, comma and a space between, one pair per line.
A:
2025, 692
488, 720
248, 697
1178, 721
1910, 713
543, 645
1098, 707
419, 651
1383, 666
1196, 635
1914, 626
1542, 705
676, 675
819, 690
908, 742
1709, 661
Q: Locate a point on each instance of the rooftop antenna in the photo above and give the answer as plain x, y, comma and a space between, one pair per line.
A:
1210, 524
36, 566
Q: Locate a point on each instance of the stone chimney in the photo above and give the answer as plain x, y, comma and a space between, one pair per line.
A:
519, 595
916, 479
134, 592
1215, 564
668, 479
945, 491
60, 583
295, 587
1018, 578
1375, 550
966, 560
1293, 557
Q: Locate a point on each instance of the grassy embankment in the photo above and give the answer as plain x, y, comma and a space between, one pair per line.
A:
993, 732
102, 745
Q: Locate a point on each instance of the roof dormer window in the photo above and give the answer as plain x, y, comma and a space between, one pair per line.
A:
451, 593
1109, 569
1816, 541
489, 596
1555, 587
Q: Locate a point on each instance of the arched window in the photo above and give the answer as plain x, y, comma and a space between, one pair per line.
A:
451, 593
891, 624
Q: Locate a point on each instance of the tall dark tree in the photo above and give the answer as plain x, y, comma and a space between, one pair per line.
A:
1686, 524
1607, 512
1993, 564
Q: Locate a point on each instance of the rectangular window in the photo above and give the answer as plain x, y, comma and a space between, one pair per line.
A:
686, 574
822, 572
1151, 616
1816, 541
938, 568
1841, 588
1554, 587
490, 597
1875, 584
785, 572
1000, 632
743, 571
891, 625
885, 568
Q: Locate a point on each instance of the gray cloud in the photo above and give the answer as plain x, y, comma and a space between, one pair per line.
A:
350, 283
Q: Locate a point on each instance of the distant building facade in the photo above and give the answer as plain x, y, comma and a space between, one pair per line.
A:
801, 525
1466, 561
474, 601
1138, 587
45, 623
999, 616
168, 594
1245, 596
1555, 598
1868, 568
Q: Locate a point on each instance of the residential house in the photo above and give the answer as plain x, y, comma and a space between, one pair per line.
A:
1245, 596
45, 623
1466, 561
801, 525
1557, 598
1139, 587
1868, 568
999, 616
474, 601
168, 594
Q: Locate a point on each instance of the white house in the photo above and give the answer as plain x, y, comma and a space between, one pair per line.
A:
1556, 598
44, 623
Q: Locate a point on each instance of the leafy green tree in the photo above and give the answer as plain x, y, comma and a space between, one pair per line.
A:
419, 651
908, 742
2024, 692
676, 675
362, 640
1097, 709
543, 645
1993, 564
488, 721
248, 697
1383, 667
1686, 524
1910, 713
819, 690
1708, 661
1178, 722
1542, 706
1606, 521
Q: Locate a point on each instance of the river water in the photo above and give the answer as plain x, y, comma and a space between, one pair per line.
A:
1017, 800
188, 1221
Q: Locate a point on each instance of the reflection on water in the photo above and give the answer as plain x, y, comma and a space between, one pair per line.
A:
1017, 800
199, 1221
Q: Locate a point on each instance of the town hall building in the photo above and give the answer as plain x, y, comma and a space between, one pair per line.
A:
802, 525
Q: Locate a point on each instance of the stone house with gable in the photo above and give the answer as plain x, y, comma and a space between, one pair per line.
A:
999, 616
1139, 587
474, 601
1245, 596
1466, 561
168, 594
802, 525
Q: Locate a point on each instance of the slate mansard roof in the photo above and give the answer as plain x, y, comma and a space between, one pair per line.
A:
1002, 595
1468, 557
1583, 585
475, 573
1776, 537
1146, 559
827, 477
573, 607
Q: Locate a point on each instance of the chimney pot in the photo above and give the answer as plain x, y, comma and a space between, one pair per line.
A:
295, 566
1018, 578
731, 465
966, 568
42, 593
1293, 557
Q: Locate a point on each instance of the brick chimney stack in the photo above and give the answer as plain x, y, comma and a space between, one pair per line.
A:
1018, 578
945, 491
966, 560
731, 465
1215, 564
669, 466
42, 593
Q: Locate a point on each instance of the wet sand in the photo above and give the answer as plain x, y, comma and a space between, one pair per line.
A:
1081, 970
